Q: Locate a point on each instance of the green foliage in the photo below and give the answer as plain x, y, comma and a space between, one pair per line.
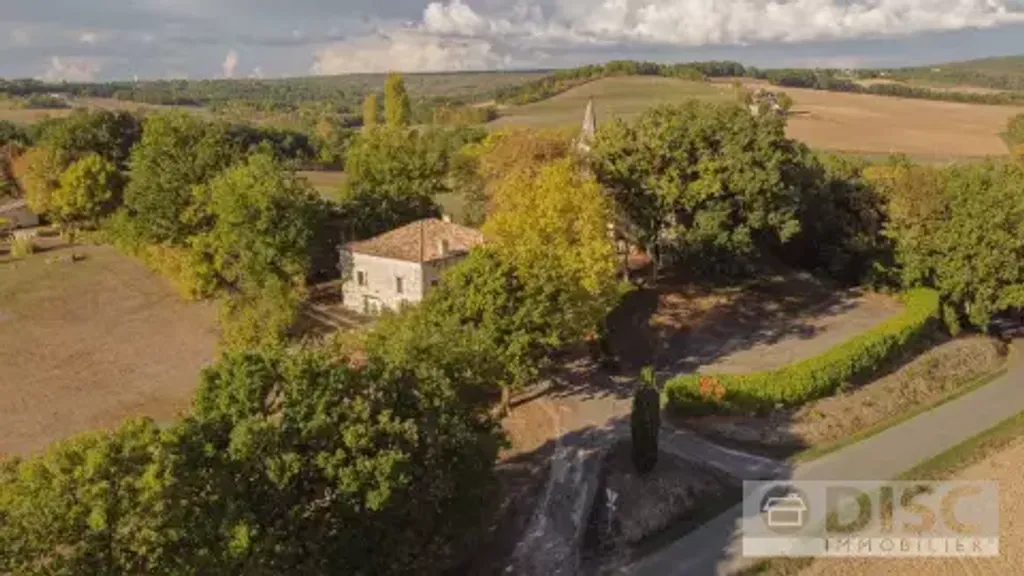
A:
704, 181
396, 102
960, 230
371, 110
177, 152
842, 219
88, 505
393, 176
22, 246
1015, 131
257, 249
11, 133
645, 422
817, 377
287, 463
110, 135
88, 190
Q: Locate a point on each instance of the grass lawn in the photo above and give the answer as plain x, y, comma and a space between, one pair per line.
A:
620, 97
326, 182
90, 343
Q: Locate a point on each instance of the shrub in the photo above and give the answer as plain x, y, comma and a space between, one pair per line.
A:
645, 422
816, 377
22, 246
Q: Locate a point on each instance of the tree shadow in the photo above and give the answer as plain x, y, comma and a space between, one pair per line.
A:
679, 328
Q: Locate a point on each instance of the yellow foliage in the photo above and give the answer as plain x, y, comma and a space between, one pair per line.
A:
22, 246
1018, 151
553, 226
38, 173
182, 267
511, 150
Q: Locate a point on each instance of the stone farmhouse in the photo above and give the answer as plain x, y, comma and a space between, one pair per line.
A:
400, 266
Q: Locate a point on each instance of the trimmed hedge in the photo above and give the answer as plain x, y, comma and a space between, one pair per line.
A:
816, 377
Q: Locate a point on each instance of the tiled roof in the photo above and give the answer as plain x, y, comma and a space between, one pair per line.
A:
421, 241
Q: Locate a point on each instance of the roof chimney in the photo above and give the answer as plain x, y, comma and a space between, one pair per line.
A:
442, 247
446, 218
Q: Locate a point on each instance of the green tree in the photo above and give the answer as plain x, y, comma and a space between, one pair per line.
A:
785, 101
393, 177
88, 190
177, 153
258, 246
1015, 131
396, 101
38, 173
552, 226
371, 110
645, 422
288, 462
706, 181
110, 135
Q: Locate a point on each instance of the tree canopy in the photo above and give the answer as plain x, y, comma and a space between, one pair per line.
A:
703, 179
288, 462
88, 190
177, 152
396, 102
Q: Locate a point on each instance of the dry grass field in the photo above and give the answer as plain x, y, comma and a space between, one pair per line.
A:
879, 124
620, 97
856, 123
85, 345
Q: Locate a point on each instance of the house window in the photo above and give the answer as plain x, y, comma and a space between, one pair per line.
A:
361, 277
399, 285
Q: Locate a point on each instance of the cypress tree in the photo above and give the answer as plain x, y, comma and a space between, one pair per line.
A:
645, 422
396, 101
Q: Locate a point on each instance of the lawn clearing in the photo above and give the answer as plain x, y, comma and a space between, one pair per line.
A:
766, 325
85, 345
619, 97
326, 182
880, 124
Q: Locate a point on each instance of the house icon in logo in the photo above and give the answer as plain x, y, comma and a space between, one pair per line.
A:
786, 511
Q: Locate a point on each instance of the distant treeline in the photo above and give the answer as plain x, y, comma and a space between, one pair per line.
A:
839, 81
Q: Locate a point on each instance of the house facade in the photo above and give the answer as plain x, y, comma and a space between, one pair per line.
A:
400, 267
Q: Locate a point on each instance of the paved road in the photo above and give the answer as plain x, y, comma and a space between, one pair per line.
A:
715, 547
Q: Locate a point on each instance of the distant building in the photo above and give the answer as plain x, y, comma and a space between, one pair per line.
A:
402, 265
15, 213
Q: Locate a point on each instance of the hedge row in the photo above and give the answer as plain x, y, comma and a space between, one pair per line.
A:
816, 377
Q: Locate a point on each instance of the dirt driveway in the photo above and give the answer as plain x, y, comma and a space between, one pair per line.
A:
686, 328
84, 345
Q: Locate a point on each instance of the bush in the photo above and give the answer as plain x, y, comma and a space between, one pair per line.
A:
22, 246
816, 377
645, 422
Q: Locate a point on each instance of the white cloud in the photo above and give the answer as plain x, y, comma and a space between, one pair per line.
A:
89, 38
407, 50
702, 22
72, 69
257, 73
229, 64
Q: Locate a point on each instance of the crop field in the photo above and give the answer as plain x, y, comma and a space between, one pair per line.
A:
90, 343
621, 97
928, 130
871, 124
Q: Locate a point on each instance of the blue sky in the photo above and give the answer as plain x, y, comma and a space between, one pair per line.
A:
81, 40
